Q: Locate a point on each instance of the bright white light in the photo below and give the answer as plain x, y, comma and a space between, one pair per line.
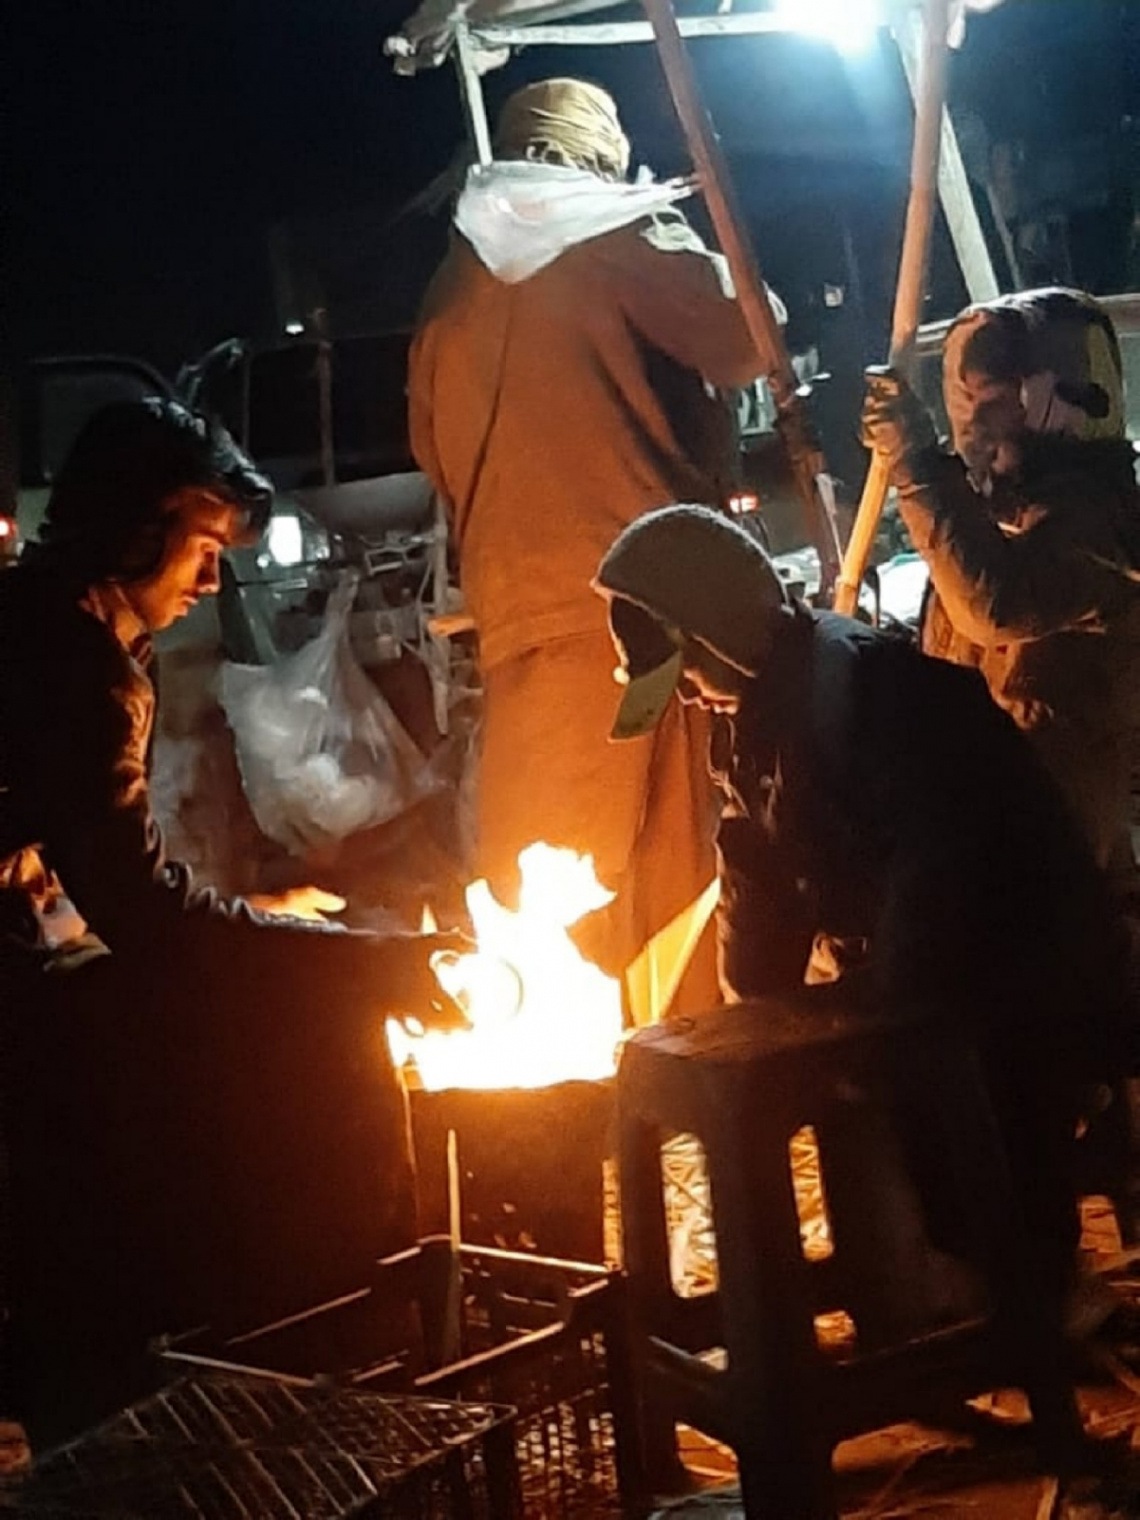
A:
849, 25
285, 540
294, 329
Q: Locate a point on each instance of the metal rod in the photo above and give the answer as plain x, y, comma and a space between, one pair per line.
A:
453, 1306
531, 1260
912, 275
454, 1371
329, 1306
471, 88
217, 1364
805, 456
325, 396
454, 1201
609, 33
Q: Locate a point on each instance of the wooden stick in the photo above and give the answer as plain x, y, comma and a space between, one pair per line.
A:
954, 191
912, 276
805, 456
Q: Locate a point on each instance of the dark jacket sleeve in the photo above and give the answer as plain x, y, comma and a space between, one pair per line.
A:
992, 909
84, 733
939, 773
1061, 572
764, 931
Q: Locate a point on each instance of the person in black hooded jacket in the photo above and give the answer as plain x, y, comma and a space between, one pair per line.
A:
200, 1114
1031, 532
888, 839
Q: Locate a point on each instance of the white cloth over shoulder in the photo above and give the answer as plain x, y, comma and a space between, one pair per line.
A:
520, 216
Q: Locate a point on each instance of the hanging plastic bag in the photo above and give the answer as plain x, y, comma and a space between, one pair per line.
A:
322, 755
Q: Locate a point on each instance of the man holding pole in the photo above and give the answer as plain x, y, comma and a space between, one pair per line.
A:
567, 378
1031, 532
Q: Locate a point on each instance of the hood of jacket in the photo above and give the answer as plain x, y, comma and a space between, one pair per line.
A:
520, 215
1041, 364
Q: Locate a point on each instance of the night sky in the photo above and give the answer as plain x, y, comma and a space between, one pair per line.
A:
155, 143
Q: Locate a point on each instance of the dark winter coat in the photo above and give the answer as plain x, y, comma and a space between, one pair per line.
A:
1036, 588
887, 825
77, 711
202, 1124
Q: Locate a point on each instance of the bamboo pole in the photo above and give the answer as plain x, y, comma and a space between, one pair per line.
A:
804, 453
929, 105
962, 220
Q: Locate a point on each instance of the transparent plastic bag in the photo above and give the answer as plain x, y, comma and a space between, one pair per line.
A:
322, 755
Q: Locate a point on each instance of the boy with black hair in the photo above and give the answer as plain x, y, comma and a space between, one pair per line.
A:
201, 1117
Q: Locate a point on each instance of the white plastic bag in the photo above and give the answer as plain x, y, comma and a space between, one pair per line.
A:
322, 755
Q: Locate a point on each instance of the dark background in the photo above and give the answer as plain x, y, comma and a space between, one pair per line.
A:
155, 144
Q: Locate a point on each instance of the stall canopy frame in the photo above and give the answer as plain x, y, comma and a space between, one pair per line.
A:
481, 37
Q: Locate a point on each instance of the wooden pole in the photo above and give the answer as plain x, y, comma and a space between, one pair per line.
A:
958, 206
805, 456
912, 276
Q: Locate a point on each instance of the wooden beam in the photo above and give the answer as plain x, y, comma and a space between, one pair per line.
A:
804, 453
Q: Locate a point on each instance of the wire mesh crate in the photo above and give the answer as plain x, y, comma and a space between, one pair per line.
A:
247, 1448
544, 1336
567, 1378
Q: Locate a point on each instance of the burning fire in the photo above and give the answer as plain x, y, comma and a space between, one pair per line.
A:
540, 1012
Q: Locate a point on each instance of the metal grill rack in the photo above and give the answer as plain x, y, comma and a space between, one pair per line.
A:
233, 1448
484, 1326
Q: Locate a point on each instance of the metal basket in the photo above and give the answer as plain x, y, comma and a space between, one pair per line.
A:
544, 1336
248, 1448
568, 1380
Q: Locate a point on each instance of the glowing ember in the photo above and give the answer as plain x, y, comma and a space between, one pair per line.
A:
540, 1012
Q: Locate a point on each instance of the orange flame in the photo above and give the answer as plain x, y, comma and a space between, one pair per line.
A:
540, 1012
